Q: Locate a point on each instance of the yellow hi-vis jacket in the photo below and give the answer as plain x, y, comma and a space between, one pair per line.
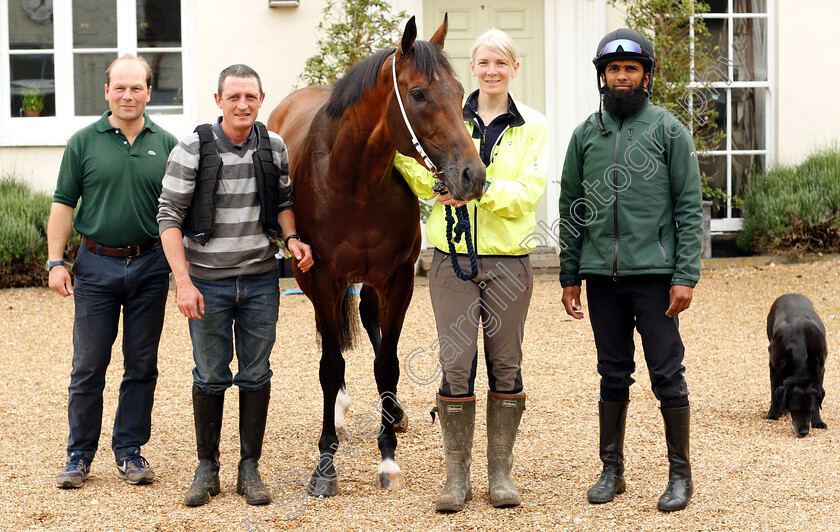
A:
505, 216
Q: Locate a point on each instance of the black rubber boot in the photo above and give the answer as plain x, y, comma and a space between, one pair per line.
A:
680, 487
253, 409
613, 420
207, 412
457, 423
504, 411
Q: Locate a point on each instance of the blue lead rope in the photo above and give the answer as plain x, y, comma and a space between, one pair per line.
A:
461, 229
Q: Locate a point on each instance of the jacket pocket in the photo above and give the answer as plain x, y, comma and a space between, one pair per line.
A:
662, 247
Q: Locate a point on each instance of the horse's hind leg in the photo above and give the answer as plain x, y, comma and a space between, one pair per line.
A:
369, 313
394, 302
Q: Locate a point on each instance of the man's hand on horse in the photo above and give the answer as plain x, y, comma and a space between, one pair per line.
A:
303, 253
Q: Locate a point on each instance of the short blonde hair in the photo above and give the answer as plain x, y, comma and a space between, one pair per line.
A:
497, 41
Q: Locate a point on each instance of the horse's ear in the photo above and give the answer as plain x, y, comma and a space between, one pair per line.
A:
440, 34
408, 36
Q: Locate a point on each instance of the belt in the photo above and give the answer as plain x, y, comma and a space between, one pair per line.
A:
125, 252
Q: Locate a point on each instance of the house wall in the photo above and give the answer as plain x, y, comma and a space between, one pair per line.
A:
280, 39
806, 117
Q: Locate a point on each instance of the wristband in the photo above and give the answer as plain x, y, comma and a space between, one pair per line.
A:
286, 240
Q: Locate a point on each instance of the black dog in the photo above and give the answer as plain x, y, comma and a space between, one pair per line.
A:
797, 362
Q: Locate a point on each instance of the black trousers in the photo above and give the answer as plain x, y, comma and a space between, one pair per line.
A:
618, 306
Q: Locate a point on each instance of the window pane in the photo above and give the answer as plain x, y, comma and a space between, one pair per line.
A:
750, 6
94, 23
714, 168
750, 36
158, 23
89, 82
748, 119
718, 6
704, 101
32, 74
166, 82
718, 41
30, 25
743, 168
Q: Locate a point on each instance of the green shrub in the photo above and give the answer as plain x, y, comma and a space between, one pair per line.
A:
23, 220
790, 209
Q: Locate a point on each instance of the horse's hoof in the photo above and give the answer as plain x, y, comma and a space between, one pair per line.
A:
341, 434
401, 425
390, 481
389, 476
322, 487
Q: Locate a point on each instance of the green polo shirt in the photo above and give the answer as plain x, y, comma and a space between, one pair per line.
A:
118, 183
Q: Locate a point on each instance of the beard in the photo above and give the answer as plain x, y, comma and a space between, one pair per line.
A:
624, 103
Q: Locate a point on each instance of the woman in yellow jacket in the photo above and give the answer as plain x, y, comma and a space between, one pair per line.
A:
512, 140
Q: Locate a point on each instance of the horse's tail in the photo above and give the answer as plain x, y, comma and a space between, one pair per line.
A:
349, 327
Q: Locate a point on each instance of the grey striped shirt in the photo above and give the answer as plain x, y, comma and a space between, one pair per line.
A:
238, 245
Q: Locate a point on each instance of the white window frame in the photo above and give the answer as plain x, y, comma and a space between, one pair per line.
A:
56, 130
729, 223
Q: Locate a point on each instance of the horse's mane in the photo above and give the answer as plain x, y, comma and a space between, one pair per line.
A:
362, 77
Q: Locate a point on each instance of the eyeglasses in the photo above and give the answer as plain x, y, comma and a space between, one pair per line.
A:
622, 45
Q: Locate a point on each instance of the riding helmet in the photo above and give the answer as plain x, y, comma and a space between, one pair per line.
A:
625, 43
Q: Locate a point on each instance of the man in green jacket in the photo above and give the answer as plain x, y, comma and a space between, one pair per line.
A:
631, 225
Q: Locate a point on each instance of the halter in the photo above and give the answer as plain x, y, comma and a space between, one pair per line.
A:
429, 164
463, 226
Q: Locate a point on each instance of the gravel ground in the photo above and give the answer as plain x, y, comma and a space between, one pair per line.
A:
749, 473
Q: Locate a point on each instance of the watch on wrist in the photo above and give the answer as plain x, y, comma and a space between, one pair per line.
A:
286, 240
52, 263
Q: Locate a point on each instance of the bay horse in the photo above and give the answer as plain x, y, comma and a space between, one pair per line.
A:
360, 216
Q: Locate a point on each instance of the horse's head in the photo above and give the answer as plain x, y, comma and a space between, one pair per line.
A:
431, 96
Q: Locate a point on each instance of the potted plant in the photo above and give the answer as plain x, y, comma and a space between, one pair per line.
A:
32, 102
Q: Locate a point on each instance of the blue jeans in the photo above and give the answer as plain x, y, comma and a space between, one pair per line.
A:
243, 309
103, 286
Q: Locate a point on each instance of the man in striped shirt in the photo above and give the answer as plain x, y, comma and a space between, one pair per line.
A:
227, 190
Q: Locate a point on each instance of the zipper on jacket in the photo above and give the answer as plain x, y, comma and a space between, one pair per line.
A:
496, 144
475, 228
615, 196
664, 254
629, 136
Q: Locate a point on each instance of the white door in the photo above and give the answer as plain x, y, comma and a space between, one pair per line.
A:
523, 20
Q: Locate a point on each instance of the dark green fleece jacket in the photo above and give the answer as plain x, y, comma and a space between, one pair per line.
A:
630, 201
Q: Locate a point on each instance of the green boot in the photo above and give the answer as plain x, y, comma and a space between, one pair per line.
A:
613, 419
253, 409
680, 487
457, 423
504, 411
207, 411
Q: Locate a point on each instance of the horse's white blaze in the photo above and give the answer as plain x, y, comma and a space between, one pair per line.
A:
342, 406
388, 466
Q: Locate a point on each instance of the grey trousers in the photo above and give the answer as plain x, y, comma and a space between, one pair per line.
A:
497, 300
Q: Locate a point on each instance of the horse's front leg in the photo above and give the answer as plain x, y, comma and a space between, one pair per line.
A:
394, 299
327, 303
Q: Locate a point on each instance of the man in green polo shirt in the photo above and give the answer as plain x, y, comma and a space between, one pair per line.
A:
115, 166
